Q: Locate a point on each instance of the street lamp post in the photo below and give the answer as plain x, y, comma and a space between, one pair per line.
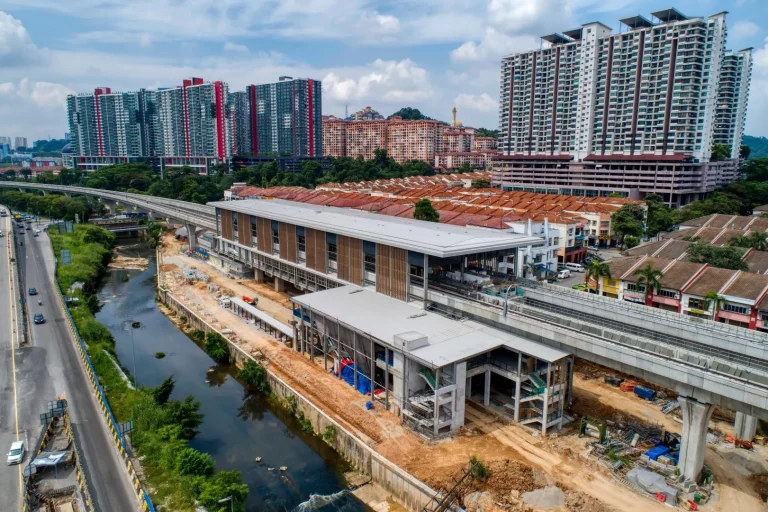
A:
231, 501
129, 323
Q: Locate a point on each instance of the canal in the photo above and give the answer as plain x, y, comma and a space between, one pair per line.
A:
238, 426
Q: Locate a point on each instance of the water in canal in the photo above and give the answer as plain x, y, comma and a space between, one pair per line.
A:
238, 426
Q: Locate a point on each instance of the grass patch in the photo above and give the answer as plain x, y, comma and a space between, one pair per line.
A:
159, 355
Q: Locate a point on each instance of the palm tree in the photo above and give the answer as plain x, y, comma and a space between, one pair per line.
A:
714, 298
532, 269
758, 241
651, 278
596, 270
740, 241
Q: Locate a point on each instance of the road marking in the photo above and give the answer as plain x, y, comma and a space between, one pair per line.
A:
13, 359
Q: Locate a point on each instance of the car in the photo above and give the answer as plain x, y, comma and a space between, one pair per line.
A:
37, 232
579, 287
39, 319
21, 231
28, 228
2, 234
16, 453
564, 274
33, 291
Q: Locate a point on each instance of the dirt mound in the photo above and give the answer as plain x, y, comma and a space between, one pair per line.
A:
169, 267
509, 475
580, 502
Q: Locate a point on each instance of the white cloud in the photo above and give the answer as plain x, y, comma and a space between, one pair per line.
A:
16, 47
387, 81
529, 15
481, 102
145, 40
492, 46
742, 29
235, 48
41, 94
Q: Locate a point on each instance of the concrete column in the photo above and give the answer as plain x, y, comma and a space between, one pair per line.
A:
487, 390
191, 235
169, 222
279, 284
258, 275
426, 279
695, 422
459, 396
546, 400
745, 426
518, 386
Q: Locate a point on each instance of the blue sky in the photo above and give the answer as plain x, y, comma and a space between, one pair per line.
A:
429, 54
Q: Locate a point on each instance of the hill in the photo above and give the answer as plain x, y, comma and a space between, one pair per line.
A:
757, 145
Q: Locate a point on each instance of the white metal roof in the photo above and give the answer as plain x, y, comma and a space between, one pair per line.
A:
442, 240
448, 340
277, 324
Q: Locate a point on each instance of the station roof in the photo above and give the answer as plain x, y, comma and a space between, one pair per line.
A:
435, 239
448, 341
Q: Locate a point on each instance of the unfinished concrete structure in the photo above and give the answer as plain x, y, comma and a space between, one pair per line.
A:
424, 366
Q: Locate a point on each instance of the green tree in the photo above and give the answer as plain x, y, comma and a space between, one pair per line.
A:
195, 463
425, 211
720, 257
186, 415
756, 169
163, 392
464, 168
660, 216
485, 132
650, 278
217, 347
713, 298
720, 152
596, 270
741, 240
744, 151
254, 376
481, 183
411, 114
758, 241
631, 241
628, 220
221, 485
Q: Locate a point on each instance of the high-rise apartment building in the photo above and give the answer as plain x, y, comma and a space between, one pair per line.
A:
366, 114
657, 94
732, 95
20, 142
334, 136
650, 89
5, 140
240, 123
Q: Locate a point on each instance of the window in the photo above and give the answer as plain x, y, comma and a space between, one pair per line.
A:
667, 293
332, 251
276, 236
744, 310
254, 229
234, 224
370, 263
302, 241
632, 287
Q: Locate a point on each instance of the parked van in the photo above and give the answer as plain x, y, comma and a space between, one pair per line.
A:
575, 267
564, 273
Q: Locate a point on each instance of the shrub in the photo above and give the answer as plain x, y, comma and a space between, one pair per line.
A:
193, 462
479, 471
197, 336
159, 355
216, 347
329, 434
254, 376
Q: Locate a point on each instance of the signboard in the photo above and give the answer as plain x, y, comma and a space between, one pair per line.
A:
698, 311
66, 257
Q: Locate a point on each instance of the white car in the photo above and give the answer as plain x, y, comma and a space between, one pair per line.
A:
563, 273
16, 454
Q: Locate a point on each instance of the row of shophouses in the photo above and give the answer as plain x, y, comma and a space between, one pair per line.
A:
734, 297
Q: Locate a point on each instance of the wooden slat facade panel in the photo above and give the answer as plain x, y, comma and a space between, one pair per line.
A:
342, 257
264, 228
382, 269
356, 261
282, 232
289, 240
244, 229
309, 248
226, 224
399, 272
321, 252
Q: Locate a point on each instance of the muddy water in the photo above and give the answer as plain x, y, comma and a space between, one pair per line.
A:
238, 426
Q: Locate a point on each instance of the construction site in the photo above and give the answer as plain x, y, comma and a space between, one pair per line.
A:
550, 431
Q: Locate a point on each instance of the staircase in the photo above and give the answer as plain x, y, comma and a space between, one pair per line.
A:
428, 377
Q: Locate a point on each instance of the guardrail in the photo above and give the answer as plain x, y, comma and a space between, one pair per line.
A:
141, 494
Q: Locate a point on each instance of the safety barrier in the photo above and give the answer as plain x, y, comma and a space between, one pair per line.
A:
141, 495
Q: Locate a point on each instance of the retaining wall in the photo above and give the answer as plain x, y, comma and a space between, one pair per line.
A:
404, 487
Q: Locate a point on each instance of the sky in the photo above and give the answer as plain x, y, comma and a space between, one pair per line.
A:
427, 54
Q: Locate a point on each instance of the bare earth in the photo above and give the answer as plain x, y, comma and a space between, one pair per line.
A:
519, 461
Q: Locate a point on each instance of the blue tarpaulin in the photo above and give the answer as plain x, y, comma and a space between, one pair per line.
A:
363, 382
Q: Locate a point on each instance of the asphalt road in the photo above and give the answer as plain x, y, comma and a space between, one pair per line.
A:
48, 369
